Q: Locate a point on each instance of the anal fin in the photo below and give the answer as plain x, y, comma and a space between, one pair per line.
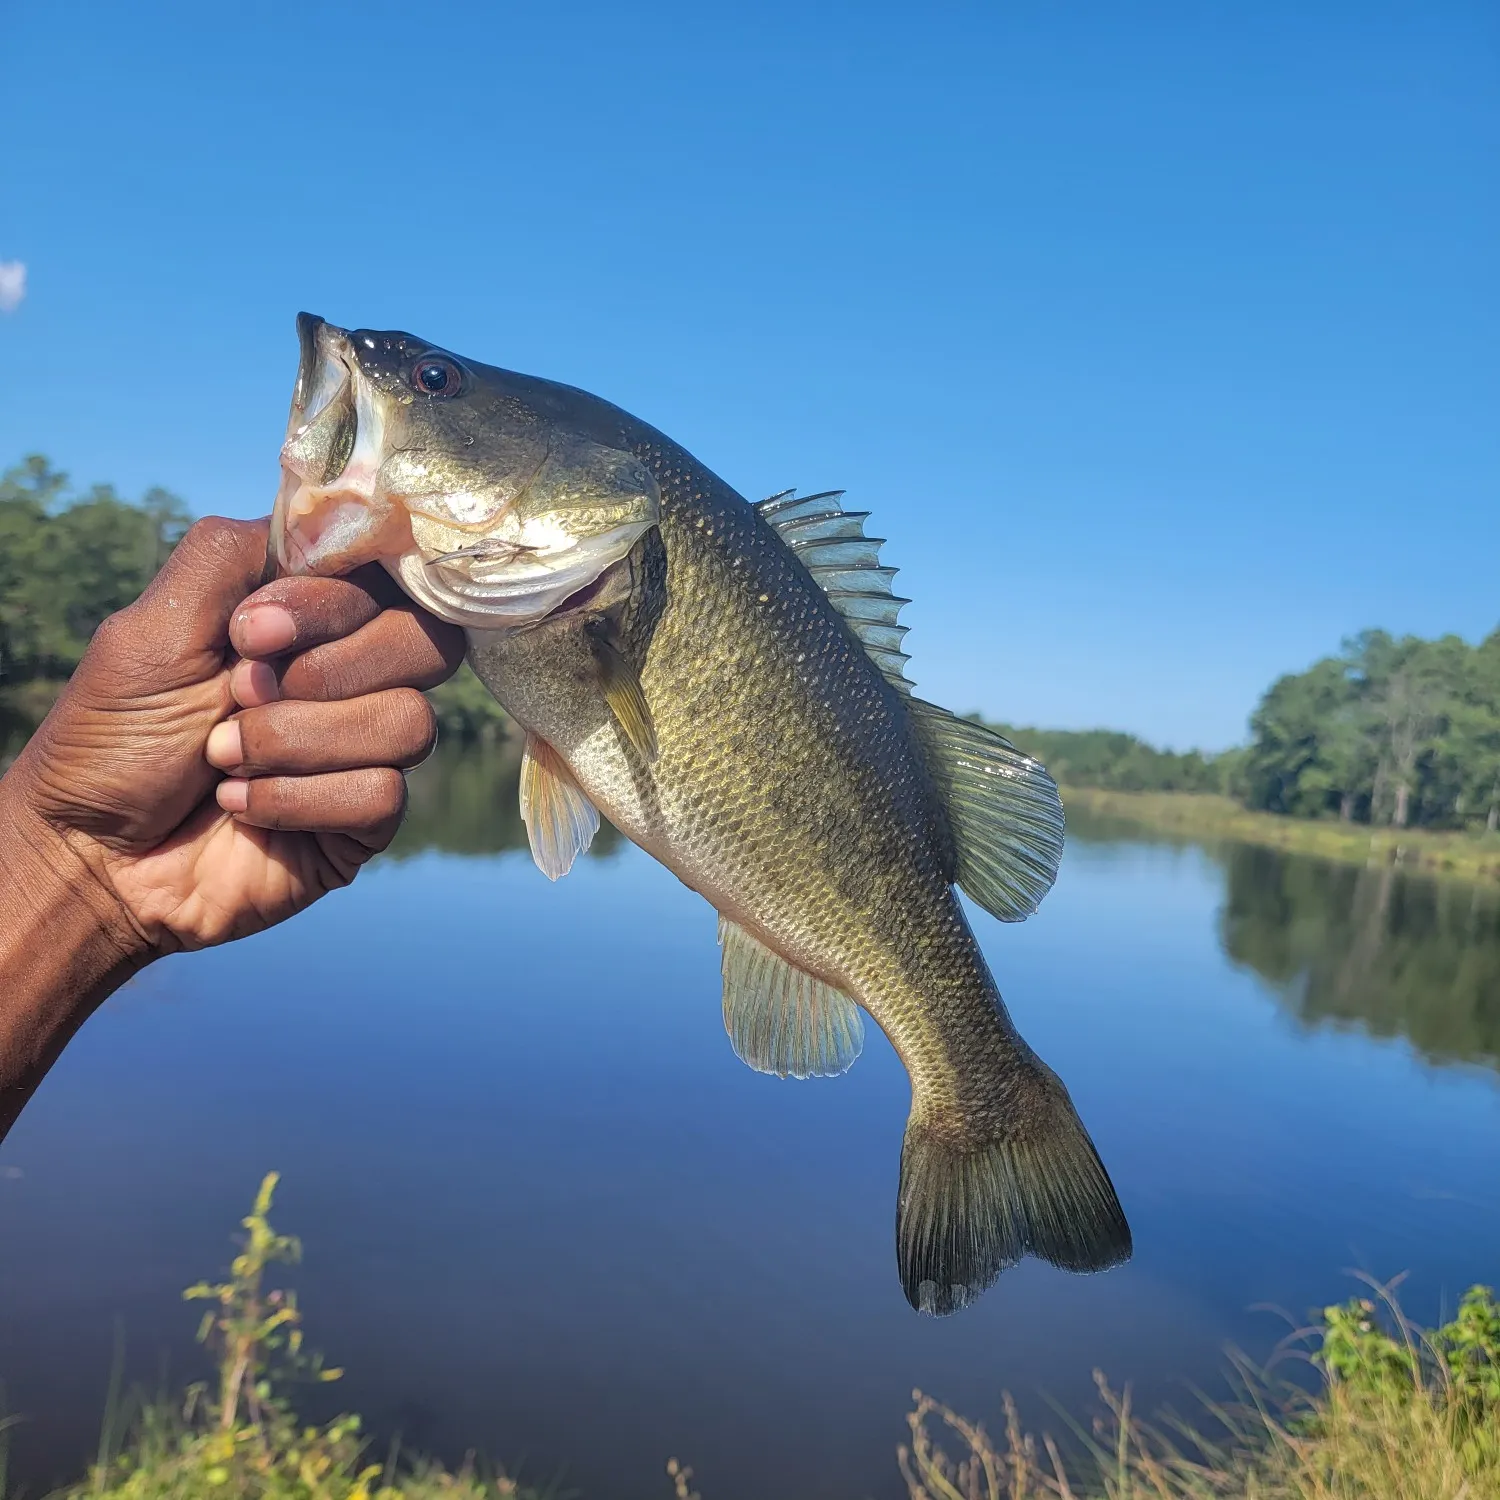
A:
781, 1020
560, 821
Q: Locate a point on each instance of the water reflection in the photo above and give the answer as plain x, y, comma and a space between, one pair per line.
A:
465, 800
1393, 954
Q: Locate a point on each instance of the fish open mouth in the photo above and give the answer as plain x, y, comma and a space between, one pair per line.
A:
329, 515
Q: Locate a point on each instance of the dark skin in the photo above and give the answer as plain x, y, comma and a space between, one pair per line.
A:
224, 755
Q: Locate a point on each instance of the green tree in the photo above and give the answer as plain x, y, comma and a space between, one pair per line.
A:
67, 563
1397, 731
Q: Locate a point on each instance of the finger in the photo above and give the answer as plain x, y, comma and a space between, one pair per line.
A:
253, 683
401, 647
293, 614
393, 728
183, 615
366, 805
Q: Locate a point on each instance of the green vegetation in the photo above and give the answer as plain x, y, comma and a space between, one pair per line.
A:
1389, 752
1398, 1413
238, 1436
1473, 854
1110, 759
1395, 1413
66, 561
1392, 732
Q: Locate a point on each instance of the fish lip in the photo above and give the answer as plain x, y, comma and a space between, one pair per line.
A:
321, 345
308, 325
327, 373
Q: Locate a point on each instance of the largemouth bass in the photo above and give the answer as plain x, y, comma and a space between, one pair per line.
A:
725, 682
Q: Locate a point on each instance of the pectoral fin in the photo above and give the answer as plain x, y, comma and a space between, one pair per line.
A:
781, 1020
621, 684
560, 821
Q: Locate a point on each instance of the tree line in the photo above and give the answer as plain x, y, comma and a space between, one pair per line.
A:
1121, 762
1396, 732
1392, 731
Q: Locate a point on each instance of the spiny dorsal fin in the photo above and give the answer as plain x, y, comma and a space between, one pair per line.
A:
845, 563
1003, 809
560, 821
781, 1020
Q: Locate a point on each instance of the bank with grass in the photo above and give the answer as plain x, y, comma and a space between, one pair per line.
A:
1391, 1412
1473, 854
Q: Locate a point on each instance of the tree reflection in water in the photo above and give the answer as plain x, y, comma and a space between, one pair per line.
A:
1370, 946
1345, 945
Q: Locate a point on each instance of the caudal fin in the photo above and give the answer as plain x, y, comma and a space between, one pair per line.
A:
975, 1198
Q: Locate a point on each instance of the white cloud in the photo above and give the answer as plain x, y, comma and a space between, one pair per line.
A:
12, 284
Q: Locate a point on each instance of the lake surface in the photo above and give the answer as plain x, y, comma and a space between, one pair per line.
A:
547, 1214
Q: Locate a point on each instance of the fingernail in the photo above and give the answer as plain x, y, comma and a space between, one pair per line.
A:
225, 748
253, 684
264, 629
234, 796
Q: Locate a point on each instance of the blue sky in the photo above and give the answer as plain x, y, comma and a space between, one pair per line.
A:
1163, 340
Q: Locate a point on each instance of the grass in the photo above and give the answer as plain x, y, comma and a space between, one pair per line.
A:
1397, 1413
1393, 1412
237, 1436
1475, 856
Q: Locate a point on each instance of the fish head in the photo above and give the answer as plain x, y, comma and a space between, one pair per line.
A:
491, 497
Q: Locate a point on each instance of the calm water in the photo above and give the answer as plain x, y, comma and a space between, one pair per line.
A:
547, 1213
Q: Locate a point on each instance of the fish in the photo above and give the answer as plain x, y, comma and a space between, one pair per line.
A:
725, 683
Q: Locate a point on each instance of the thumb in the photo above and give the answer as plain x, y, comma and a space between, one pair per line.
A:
188, 605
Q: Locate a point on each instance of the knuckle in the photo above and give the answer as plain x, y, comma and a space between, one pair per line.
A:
312, 676
131, 654
212, 537
266, 803
260, 738
112, 635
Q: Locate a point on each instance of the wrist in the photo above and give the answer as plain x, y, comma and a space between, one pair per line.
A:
65, 944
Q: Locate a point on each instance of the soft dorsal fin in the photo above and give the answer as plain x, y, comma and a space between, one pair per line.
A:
845, 563
1003, 809
560, 821
781, 1020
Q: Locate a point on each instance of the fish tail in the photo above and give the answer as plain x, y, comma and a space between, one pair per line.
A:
980, 1189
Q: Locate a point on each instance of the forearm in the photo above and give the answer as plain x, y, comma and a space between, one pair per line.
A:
63, 948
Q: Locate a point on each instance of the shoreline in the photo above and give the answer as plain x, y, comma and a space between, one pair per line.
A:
1203, 815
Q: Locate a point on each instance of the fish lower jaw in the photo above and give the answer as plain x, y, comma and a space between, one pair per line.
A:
332, 529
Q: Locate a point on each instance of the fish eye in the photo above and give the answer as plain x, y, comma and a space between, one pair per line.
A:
434, 375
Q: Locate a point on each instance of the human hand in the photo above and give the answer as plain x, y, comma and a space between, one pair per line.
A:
121, 794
